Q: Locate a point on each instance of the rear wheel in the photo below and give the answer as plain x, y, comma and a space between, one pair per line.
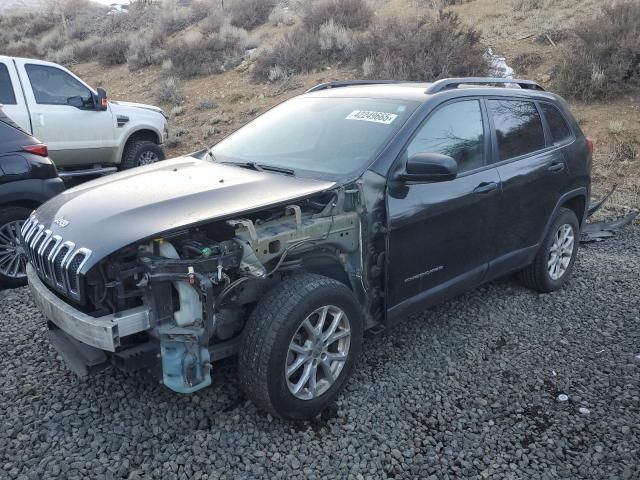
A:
300, 345
554, 261
12, 257
138, 153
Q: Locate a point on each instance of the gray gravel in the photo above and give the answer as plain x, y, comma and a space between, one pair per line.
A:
469, 389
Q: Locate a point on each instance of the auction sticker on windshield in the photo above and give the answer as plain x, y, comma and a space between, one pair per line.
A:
377, 117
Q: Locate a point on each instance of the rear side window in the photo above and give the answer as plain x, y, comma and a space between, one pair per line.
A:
560, 131
456, 130
518, 127
52, 86
7, 95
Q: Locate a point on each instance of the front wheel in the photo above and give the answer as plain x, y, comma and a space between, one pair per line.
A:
13, 261
138, 153
300, 346
554, 261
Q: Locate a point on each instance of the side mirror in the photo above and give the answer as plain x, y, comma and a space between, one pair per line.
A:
430, 167
101, 99
75, 101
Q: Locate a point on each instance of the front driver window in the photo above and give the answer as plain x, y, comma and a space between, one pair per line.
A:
52, 86
456, 130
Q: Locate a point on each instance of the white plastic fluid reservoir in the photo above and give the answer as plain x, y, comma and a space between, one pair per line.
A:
190, 305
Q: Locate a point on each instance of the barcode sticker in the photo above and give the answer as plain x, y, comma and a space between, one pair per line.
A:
377, 117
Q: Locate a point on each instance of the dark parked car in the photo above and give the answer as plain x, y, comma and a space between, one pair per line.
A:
27, 179
338, 211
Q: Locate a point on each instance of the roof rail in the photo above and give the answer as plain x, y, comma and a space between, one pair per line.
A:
349, 83
450, 83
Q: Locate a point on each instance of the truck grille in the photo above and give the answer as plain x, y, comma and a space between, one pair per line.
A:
57, 262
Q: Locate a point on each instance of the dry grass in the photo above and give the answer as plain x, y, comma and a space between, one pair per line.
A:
603, 59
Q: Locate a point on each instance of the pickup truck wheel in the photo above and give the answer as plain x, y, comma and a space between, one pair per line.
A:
141, 152
300, 346
554, 261
12, 259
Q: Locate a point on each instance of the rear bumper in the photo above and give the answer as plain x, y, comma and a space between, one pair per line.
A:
30, 190
103, 333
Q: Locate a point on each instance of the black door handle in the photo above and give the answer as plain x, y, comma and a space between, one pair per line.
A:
556, 167
486, 187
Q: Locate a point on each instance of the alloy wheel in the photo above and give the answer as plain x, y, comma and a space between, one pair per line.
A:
13, 261
318, 352
561, 251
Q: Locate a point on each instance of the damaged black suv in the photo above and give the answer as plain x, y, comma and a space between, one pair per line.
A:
335, 212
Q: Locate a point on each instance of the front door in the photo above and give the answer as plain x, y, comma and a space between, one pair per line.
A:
441, 234
63, 116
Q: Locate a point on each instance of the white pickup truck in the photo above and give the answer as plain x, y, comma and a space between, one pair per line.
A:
85, 133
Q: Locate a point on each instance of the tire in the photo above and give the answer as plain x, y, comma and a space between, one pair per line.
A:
141, 152
540, 275
12, 267
275, 323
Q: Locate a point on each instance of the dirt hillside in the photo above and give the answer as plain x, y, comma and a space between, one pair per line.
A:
532, 40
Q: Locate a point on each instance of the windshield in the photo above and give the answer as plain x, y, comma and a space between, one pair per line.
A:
333, 136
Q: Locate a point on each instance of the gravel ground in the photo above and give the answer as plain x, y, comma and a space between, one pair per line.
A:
469, 389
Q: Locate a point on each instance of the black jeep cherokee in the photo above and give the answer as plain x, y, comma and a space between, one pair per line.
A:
337, 211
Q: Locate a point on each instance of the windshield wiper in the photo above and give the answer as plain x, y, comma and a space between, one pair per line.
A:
251, 165
271, 168
261, 167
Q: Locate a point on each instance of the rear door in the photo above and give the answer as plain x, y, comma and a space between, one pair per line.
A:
11, 97
63, 116
533, 173
441, 234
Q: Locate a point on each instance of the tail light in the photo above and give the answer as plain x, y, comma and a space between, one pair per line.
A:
590, 145
39, 149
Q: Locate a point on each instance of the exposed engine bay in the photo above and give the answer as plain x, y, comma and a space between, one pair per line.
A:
201, 283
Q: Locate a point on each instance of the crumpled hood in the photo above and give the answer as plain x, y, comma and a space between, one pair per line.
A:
144, 106
112, 212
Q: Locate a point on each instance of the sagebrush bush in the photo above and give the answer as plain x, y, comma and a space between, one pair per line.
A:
212, 23
112, 51
249, 14
526, 5
297, 52
335, 40
213, 53
19, 48
355, 14
421, 49
169, 90
281, 16
85, 50
65, 56
144, 50
51, 41
86, 22
603, 59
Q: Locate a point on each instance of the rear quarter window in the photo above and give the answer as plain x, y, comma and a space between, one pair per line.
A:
560, 131
518, 127
7, 95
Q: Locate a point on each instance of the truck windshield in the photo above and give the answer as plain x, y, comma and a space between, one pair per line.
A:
331, 136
